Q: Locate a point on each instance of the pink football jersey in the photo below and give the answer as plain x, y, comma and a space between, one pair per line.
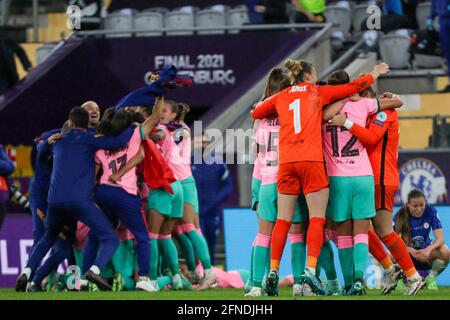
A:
113, 162
344, 154
175, 154
267, 136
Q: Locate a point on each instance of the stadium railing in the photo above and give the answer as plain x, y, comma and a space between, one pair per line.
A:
286, 26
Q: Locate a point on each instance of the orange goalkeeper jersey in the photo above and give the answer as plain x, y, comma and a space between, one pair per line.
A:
381, 138
299, 109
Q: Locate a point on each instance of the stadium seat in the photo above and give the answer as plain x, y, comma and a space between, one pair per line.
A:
149, 20
43, 52
210, 18
237, 17
372, 39
119, 21
188, 9
394, 50
178, 21
219, 7
428, 61
126, 11
359, 15
422, 13
340, 16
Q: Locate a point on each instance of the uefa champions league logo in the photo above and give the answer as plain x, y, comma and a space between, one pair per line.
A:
425, 175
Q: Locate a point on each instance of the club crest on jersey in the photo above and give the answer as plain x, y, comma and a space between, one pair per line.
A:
382, 116
297, 89
425, 175
426, 225
417, 242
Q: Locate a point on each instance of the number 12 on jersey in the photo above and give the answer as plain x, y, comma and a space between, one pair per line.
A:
295, 105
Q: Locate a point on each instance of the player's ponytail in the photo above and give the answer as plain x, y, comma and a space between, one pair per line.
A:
403, 215
277, 80
183, 109
402, 224
180, 109
298, 69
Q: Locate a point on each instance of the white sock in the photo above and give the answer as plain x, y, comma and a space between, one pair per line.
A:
390, 269
437, 267
415, 277
95, 269
143, 278
27, 271
84, 282
311, 269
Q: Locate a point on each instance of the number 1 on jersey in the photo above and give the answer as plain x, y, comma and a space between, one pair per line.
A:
297, 116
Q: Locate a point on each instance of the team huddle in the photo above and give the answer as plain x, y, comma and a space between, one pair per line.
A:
331, 176
112, 195
144, 193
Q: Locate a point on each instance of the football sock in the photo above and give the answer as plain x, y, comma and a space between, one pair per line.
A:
400, 253
260, 256
164, 282
187, 250
199, 243
154, 256
279, 235
298, 255
326, 260
170, 252
360, 255
314, 241
437, 267
377, 250
345, 249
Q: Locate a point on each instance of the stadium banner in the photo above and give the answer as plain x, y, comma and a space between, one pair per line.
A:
426, 171
241, 226
107, 69
16, 240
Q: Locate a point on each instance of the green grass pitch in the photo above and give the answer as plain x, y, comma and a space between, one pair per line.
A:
213, 294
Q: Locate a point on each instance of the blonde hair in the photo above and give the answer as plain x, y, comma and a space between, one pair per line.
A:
181, 109
298, 69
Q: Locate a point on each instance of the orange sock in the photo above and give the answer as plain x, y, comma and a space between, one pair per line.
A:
376, 249
314, 240
279, 235
398, 250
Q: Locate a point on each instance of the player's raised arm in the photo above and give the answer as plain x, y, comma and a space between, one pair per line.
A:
332, 109
155, 118
330, 93
265, 108
105, 142
368, 137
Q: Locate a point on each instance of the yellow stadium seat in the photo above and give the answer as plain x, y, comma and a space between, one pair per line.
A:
30, 49
415, 133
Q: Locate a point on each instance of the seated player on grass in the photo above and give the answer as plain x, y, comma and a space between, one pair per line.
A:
414, 222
